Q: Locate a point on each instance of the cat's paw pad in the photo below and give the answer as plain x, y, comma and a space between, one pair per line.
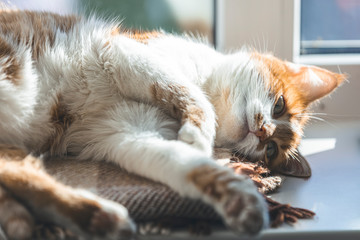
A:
53, 232
16, 221
245, 212
193, 135
19, 228
153, 229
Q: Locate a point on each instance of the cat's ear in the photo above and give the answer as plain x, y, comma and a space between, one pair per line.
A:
296, 166
313, 82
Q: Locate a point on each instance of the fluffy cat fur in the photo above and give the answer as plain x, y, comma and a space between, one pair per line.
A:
153, 103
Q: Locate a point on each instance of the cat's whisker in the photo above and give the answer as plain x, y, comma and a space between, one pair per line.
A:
259, 43
295, 154
275, 44
311, 116
350, 116
321, 120
316, 118
252, 45
313, 113
264, 50
326, 118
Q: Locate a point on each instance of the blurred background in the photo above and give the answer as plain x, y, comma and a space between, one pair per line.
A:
320, 32
174, 16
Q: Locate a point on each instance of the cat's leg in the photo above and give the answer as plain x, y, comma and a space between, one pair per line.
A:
48, 200
142, 139
140, 74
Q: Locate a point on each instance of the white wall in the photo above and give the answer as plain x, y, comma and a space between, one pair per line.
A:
256, 23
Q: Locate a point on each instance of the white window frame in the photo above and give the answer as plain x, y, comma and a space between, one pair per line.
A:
317, 59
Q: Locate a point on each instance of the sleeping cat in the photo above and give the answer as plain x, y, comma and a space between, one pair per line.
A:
153, 103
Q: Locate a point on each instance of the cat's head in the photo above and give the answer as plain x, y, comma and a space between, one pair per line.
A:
262, 104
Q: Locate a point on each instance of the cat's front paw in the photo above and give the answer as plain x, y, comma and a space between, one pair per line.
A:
194, 136
234, 197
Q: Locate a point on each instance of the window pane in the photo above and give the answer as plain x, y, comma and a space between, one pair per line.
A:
330, 26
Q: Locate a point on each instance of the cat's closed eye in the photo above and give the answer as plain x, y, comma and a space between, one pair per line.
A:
271, 150
279, 107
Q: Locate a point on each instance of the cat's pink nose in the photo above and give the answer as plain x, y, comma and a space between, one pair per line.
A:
265, 131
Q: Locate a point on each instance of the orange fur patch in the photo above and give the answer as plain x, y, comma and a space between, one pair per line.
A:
176, 100
141, 36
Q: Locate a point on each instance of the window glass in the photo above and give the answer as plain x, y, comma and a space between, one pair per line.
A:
330, 26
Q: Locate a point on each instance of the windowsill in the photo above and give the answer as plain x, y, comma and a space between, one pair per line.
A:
316, 145
328, 59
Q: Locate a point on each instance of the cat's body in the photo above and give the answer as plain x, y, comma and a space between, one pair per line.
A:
155, 104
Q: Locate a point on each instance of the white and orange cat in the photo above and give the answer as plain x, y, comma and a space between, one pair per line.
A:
153, 103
